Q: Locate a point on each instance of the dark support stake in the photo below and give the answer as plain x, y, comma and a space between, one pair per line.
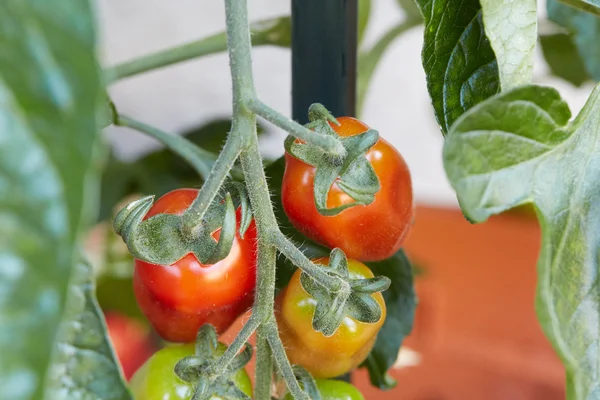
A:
324, 39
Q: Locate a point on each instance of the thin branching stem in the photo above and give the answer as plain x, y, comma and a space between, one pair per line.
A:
283, 364
269, 32
213, 182
264, 361
293, 253
328, 143
240, 340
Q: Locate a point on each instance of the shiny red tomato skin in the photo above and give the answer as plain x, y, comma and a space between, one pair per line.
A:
367, 233
179, 298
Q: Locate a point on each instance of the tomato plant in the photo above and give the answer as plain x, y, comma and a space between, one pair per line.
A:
156, 379
201, 253
179, 298
322, 356
368, 232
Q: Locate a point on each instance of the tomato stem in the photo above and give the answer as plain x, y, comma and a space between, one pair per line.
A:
194, 215
328, 143
274, 31
240, 340
264, 361
293, 253
283, 364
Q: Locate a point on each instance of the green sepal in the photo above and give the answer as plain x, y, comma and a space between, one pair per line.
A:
192, 369
241, 200
162, 240
356, 303
353, 173
228, 227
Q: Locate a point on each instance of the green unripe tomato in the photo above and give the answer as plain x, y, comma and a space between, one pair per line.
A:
335, 390
156, 379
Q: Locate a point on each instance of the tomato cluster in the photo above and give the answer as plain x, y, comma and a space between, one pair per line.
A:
179, 298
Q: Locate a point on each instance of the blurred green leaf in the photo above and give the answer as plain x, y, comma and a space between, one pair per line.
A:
411, 9
459, 62
589, 6
364, 13
116, 294
84, 364
522, 147
586, 31
50, 91
563, 58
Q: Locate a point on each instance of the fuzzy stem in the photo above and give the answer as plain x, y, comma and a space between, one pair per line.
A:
293, 253
238, 36
283, 364
213, 182
273, 33
328, 143
240, 340
264, 363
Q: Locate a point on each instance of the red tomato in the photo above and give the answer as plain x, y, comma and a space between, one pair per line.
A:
131, 341
367, 233
179, 298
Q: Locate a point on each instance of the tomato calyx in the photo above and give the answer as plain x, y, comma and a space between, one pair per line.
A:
352, 173
196, 369
163, 239
353, 300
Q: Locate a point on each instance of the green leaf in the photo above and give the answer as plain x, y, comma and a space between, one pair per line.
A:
519, 147
511, 27
49, 96
401, 302
586, 30
590, 6
459, 62
84, 365
563, 58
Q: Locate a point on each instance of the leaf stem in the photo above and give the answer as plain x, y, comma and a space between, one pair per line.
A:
273, 31
293, 253
240, 340
283, 364
194, 155
328, 143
